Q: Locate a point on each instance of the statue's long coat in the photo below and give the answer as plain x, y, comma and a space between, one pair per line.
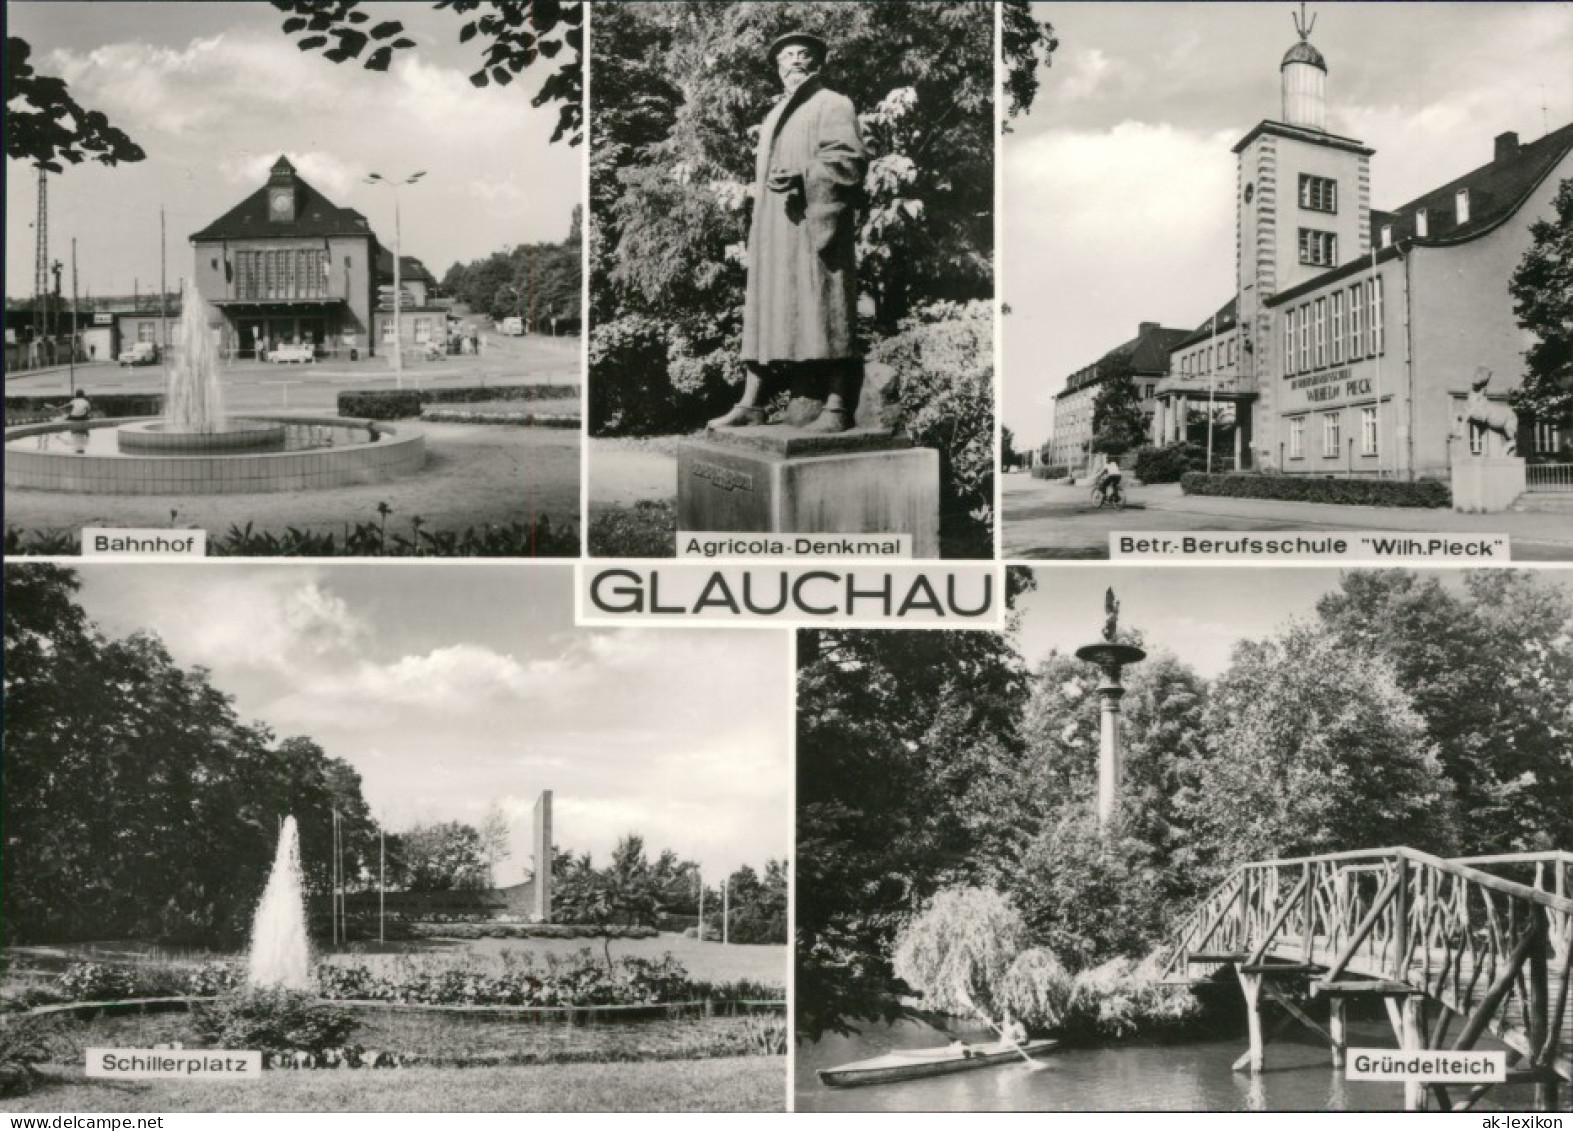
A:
802, 277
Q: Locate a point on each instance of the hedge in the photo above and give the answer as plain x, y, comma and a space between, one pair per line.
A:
105, 404
402, 404
1051, 471
1304, 489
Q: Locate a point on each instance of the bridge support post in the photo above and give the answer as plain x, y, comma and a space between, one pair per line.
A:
1251, 984
1335, 1029
1412, 1038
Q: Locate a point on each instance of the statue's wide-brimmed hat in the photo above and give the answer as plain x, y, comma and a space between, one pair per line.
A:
806, 39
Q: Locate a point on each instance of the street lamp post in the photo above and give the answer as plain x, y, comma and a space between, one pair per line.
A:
398, 335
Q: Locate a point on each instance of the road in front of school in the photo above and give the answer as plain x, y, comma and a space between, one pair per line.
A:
1050, 520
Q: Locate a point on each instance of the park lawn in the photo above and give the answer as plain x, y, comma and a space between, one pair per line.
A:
737, 1084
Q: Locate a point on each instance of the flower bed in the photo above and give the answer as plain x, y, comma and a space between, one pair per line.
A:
1305, 489
581, 979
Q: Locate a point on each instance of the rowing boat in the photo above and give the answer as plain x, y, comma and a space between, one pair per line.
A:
916, 1064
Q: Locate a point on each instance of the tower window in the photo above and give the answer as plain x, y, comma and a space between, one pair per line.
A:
1318, 194
1461, 203
1422, 224
1318, 249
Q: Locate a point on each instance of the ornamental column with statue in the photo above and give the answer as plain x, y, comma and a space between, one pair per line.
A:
1111, 657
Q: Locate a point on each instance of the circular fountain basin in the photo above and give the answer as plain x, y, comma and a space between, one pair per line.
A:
317, 451
235, 435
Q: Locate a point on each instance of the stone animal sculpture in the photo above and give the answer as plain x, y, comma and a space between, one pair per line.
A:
1488, 416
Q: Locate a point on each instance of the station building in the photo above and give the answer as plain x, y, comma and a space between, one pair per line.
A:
1353, 335
288, 266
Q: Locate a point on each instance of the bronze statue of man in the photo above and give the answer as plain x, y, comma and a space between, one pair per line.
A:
800, 315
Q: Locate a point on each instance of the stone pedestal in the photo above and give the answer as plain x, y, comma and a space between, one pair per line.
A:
1486, 483
776, 479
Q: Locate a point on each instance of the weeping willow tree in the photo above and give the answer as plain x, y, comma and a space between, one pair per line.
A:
958, 951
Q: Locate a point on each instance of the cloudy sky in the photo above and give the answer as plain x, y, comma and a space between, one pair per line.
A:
451, 686
1119, 187
215, 92
1198, 614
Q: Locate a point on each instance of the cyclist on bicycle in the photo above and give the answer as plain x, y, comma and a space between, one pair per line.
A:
1108, 481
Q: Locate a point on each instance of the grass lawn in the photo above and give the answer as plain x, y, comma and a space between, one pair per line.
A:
756, 1083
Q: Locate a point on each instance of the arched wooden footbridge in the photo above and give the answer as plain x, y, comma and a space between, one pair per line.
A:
1454, 949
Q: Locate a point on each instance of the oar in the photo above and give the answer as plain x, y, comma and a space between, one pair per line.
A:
1033, 1064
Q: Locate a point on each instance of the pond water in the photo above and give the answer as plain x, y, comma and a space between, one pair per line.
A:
1192, 1076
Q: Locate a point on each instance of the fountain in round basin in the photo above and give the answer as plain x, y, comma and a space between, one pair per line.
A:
196, 449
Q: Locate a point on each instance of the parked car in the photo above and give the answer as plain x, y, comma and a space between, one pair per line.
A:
140, 353
512, 326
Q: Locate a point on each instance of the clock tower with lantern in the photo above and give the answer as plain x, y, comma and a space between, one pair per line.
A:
1303, 201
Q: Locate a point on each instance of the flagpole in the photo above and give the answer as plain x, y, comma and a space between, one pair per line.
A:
1212, 385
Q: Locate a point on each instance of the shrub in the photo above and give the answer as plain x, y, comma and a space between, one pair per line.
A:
274, 1021
1051, 471
1306, 489
648, 529
386, 404
403, 404
1167, 464
649, 378
578, 979
26, 1043
96, 981
942, 397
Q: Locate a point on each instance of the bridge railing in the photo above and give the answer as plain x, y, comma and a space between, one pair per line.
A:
1493, 949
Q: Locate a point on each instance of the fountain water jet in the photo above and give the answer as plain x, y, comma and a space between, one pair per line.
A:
280, 955
193, 397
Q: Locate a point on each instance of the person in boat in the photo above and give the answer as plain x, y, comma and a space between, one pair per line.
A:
960, 1047
1012, 1031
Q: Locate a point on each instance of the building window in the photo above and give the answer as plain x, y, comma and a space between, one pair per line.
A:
1422, 224
1387, 235
1305, 337
1368, 431
387, 330
1461, 204
1321, 332
423, 330
1318, 194
1332, 434
1374, 294
1289, 368
146, 332
1318, 249
1297, 437
1338, 327
1356, 326
1545, 439
281, 274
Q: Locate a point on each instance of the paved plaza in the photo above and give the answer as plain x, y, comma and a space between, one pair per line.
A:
1052, 520
475, 474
